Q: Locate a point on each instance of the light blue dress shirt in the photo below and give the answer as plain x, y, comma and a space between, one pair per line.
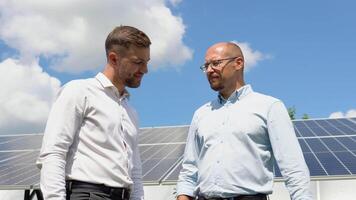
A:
231, 146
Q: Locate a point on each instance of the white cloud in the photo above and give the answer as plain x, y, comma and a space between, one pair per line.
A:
175, 2
72, 32
252, 57
26, 96
339, 114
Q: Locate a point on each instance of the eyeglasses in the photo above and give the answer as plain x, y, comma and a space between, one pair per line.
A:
215, 64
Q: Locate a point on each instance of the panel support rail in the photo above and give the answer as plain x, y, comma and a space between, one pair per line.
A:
29, 195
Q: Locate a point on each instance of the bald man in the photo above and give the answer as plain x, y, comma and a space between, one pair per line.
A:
234, 139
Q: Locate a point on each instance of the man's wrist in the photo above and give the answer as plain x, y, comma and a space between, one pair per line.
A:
184, 197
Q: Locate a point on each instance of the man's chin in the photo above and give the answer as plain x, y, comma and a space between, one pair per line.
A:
133, 84
215, 87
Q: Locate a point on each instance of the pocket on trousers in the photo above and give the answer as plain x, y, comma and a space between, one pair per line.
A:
97, 196
77, 195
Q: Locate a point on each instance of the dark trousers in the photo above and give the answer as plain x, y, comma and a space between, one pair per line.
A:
78, 190
242, 197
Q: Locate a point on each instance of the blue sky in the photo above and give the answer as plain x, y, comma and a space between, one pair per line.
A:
302, 52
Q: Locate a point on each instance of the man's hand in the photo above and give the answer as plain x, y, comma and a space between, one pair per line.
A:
184, 197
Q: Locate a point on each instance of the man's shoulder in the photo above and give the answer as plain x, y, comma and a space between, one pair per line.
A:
263, 98
79, 84
207, 106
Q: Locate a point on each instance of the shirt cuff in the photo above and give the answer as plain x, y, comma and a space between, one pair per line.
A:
184, 188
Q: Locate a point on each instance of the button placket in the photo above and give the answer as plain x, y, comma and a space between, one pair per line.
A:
122, 128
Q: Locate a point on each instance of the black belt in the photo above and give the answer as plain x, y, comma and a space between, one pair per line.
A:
241, 197
123, 193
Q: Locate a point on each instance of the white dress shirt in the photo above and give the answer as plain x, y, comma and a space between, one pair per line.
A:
231, 146
91, 135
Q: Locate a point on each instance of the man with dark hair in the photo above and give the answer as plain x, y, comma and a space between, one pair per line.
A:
90, 145
234, 139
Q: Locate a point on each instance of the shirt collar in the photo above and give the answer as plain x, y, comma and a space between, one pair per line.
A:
106, 83
237, 95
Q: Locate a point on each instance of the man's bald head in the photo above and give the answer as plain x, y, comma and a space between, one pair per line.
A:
224, 67
227, 49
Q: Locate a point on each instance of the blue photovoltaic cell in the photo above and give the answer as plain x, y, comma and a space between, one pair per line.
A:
157, 173
314, 166
155, 137
332, 130
163, 135
331, 164
316, 129
303, 129
304, 146
348, 159
173, 176
159, 165
333, 144
316, 145
344, 126
349, 142
349, 123
154, 151
20, 142
297, 133
18, 174
18, 168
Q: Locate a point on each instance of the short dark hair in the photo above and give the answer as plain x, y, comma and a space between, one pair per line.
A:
122, 37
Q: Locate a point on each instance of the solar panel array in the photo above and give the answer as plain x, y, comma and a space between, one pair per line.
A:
329, 148
161, 149
17, 161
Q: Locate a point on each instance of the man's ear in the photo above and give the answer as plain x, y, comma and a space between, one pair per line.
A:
113, 58
239, 63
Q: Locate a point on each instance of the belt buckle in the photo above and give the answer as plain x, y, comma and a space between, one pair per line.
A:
125, 192
122, 193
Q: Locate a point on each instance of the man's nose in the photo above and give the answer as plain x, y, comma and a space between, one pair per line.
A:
144, 68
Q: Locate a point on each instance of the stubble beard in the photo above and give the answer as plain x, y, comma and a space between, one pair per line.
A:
132, 82
216, 85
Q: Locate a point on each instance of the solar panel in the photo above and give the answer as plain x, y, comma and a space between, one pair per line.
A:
160, 150
174, 173
18, 154
328, 145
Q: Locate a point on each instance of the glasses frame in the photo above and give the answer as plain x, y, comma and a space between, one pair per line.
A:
204, 67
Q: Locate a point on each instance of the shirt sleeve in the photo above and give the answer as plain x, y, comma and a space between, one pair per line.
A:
137, 192
64, 119
187, 181
288, 153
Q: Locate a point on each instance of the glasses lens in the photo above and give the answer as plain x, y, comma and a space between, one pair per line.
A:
203, 67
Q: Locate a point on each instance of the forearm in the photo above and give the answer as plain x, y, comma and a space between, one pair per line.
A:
53, 178
288, 153
184, 197
138, 192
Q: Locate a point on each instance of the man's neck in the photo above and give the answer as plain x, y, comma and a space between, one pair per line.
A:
109, 73
226, 94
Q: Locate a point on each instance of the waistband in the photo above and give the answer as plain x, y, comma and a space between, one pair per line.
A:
123, 193
240, 197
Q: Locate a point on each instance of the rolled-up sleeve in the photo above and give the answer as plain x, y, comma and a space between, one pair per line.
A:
288, 153
187, 181
65, 118
138, 192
